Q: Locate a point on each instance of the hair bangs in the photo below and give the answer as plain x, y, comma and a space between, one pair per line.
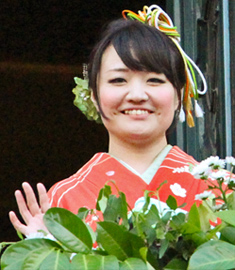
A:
131, 48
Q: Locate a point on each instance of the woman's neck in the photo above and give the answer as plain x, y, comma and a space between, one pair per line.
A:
139, 156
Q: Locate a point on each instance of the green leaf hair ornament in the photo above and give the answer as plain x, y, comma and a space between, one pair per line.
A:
83, 98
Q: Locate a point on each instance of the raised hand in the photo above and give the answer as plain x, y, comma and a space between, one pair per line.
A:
31, 211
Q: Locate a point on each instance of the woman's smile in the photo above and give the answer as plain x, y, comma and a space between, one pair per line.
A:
136, 112
137, 104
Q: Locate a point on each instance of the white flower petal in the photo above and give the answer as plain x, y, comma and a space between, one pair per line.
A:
230, 160
202, 196
178, 190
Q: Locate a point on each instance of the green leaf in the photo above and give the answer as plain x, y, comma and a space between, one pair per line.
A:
166, 217
20, 235
55, 261
193, 216
231, 201
205, 217
152, 216
143, 253
227, 216
83, 212
116, 209
177, 220
133, 264
176, 264
102, 199
114, 239
193, 223
171, 202
216, 255
137, 244
228, 234
144, 224
69, 229
163, 247
199, 238
94, 262
160, 233
27, 253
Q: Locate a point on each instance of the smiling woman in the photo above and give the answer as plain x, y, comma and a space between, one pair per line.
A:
136, 74
138, 106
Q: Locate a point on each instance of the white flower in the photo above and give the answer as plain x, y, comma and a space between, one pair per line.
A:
215, 162
178, 190
229, 179
201, 171
203, 196
218, 175
181, 169
230, 160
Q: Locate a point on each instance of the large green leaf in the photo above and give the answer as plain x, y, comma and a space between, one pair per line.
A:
69, 229
216, 255
133, 264
227, 216
94, 262
56, 261
28, 253
114, 239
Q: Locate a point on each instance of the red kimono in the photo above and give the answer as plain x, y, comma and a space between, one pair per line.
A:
82, 188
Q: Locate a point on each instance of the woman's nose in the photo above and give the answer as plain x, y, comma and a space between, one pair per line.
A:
136, 93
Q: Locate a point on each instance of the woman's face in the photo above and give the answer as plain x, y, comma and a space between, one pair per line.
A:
138, 105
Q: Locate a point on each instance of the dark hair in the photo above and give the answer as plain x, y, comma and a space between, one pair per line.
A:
141, 47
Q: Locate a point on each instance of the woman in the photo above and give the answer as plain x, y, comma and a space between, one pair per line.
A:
137, 75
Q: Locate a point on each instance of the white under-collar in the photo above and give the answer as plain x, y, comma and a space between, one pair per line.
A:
148, 175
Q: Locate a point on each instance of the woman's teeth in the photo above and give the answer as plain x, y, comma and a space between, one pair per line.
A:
136, 112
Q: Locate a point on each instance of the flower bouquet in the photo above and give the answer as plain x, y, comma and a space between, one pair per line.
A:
152, 235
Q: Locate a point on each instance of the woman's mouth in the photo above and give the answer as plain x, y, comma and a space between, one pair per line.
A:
136, 112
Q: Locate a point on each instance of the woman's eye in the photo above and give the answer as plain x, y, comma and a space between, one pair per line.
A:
156, 81
117, 81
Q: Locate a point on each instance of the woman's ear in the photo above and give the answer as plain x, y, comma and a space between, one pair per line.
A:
94, 101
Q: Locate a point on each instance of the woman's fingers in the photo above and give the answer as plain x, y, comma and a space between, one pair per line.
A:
17, 224
22, 206
32, 203
43, 197
31, 211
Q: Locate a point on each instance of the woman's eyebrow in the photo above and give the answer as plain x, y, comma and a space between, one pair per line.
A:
119, 69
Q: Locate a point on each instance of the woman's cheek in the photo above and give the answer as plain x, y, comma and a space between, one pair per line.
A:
108, 99
166, 99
